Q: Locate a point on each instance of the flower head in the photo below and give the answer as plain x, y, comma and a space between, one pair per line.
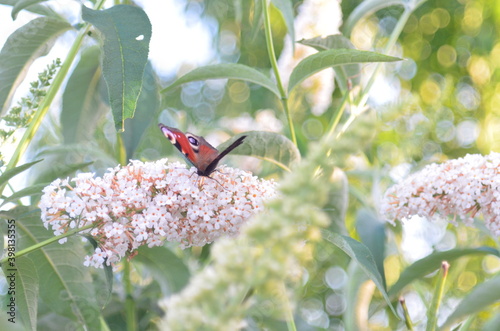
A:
146, 203
462, 187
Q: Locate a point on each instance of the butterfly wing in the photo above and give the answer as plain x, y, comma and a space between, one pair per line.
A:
196, 149
180, 141
213, 164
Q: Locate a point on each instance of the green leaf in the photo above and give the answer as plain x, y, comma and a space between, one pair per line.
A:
343, 74
27, 287
28, 191
168, 270
286, 9
366, 8
22, 4
492, 324
82, 105
108, 271
269, 146
37, 9
330, 58
229, 71
429, 264
6, 176
372, 233
65, 284
126, 32
361, 254
62, 170
90, 150
481, 296
24, 46
147, 108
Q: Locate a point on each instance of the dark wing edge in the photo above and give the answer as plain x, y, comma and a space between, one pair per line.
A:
211, 167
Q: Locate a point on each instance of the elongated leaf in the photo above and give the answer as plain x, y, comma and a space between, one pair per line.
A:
6, 176
372, 233
483, 295
37, 9
343, 74
330, 58
66, 286
269, 146
169, 270
361, 254
286, 9
22, 4
26, 44
82, 104
334, 41
27, 287
126, 32
147, 108
432, 262
28, 191
226, 70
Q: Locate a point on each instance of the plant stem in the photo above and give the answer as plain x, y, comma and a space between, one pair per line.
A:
49, 97
363, 96
340, 111
408, 322
388, 46
274, 65
129, 301
47, 242
438, 295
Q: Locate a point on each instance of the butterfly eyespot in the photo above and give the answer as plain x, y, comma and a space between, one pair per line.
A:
193, 141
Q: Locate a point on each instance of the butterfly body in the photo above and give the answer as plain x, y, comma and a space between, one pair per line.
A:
197, 150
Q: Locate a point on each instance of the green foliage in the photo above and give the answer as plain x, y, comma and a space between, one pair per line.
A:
23, 4
125, 53
29, 286
331, 58
21, 115
82, 105
432, 262
34, 8
226, 70
361, 254
344, 74
65, 285
26, 44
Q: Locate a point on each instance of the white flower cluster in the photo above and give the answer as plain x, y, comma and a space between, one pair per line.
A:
150, 202
461, 187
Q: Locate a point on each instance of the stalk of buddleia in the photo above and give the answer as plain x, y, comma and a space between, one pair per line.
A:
265, 262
